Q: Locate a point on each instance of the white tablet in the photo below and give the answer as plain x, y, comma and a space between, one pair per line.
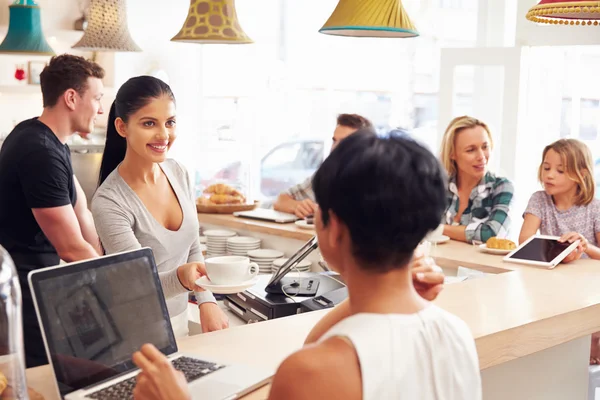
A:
542, 251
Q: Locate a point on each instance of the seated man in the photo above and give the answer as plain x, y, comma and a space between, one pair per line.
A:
300, 199
377, 199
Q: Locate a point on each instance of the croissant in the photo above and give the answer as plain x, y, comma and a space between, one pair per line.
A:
221, 188
226, 199
500, 244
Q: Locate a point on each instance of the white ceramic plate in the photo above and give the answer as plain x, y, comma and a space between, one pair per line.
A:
221, 233
439, 239
302, 224
500, 252
265, 253
205, 283
243, 240
301, 265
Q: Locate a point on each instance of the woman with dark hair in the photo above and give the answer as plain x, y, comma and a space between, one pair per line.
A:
145, 199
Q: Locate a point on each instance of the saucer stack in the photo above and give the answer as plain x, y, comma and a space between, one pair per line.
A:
241, 245
264, 258
216, 242
302, 266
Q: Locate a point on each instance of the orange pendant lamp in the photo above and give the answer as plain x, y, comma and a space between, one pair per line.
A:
566, 12
370, 18
212, 22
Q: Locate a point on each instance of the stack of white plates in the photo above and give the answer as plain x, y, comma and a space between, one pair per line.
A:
241, 245
302, 266
264, 258
216, 242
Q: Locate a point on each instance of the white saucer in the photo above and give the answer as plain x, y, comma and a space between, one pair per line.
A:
304, 225
484, 248
243, 240
265, 254
304, 264
205, 283
439, 239
219, 233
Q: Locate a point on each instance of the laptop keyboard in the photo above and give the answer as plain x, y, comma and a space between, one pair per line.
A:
192, 368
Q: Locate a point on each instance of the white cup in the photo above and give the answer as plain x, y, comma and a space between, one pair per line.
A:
230, 270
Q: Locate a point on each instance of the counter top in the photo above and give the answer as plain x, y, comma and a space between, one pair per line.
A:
290, 231
516, 312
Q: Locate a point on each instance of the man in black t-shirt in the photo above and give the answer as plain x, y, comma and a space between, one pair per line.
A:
43, 210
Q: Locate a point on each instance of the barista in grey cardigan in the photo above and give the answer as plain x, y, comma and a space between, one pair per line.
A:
147, 200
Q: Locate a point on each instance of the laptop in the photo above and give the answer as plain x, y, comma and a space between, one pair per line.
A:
95, 314
541, 251
266, 214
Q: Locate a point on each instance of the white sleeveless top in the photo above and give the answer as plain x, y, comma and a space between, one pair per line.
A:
429, 355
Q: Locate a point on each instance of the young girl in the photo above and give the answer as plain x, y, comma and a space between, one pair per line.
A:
566, 207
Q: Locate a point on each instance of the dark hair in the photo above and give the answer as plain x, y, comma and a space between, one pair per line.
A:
66, 72
389, 191
134, 94
354, 121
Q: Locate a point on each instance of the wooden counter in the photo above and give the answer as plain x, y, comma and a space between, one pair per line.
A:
515, 313
290, 231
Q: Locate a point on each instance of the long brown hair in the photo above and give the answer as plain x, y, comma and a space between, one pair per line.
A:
577, 161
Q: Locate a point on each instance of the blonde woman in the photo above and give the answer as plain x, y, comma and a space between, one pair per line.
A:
478, 201
566, 207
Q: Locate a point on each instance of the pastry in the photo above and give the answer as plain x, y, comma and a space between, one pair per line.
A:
226, 199
500, 244
221, 188
219, 194
3, 383
9, 394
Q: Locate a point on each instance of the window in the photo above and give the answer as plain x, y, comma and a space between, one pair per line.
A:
294, 81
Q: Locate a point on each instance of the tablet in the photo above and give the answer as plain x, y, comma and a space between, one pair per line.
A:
542, 251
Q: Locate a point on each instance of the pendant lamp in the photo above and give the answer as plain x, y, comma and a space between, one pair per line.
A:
212, 22
566, 12
370, 18
25, 34
107, 28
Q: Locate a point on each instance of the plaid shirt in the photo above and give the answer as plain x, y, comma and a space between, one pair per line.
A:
487, 212
303, 190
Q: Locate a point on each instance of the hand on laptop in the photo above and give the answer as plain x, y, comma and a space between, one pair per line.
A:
158, 380
189, 273
305, 208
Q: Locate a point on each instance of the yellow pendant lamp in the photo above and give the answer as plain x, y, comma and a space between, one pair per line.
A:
212, 21
370, 18
566, 12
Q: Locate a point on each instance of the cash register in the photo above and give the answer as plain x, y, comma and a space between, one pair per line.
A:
280, 295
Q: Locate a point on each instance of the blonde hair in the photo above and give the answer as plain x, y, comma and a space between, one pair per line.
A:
456, 126
577, 161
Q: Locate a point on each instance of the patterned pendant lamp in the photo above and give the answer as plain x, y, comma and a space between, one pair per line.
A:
370, 18
107, 28
566, 12
25, 30
212, 22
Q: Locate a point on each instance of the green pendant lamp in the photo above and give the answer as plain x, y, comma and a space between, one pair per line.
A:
25, 34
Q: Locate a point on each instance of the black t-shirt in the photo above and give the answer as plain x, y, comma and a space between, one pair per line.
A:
35, 172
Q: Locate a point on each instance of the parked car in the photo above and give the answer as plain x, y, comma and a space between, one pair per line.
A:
281, 167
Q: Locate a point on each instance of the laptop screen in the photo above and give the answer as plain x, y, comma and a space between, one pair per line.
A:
96, 314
